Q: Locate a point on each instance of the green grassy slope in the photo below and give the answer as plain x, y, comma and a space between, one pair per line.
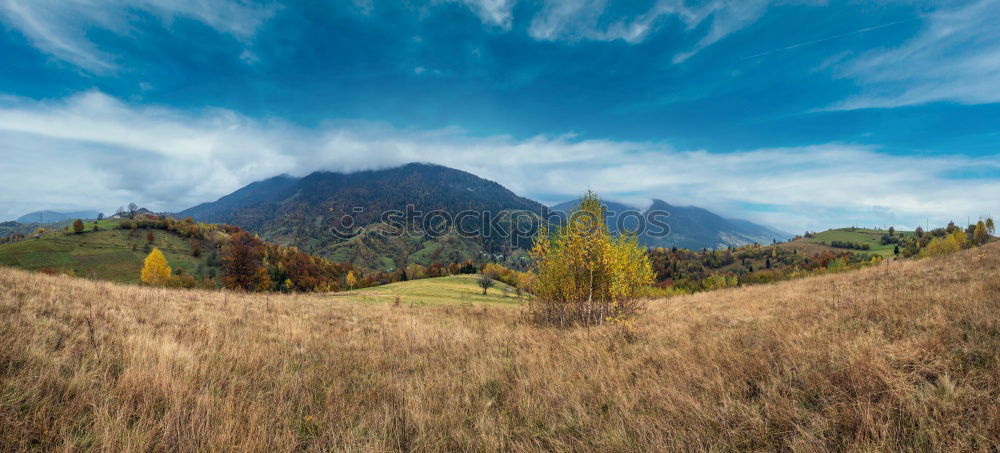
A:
108, 254
861, 235
455, 289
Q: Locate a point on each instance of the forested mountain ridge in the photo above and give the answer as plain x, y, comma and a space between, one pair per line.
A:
310, 212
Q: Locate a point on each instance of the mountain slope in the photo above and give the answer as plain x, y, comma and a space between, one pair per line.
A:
310, 212
239, 207
690, 227
53, 216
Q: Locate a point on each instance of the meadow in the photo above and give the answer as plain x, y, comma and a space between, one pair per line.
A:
107, 254
451, 290
871, 237
900, 357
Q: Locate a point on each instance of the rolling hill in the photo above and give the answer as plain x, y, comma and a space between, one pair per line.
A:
690, 227
901, 357
821, 242
108, 254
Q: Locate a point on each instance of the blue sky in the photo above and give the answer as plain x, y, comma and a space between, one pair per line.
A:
799, 114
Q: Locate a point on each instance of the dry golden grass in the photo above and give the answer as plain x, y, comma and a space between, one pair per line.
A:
897, 358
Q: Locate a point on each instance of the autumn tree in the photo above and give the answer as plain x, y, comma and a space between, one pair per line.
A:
149, 237
584, 275
241, 264
485, 281
351, 280
981, 235
946, 245
78, 226
990, 226
156, 271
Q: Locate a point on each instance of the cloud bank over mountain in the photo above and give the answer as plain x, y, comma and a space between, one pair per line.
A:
110, 152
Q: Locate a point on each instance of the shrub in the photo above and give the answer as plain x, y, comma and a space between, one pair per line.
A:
941, 246
181, 280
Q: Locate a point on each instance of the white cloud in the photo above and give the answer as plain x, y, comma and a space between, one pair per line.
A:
249, 57
60, 27
93, 151
591, 20
574, 20
956, 58
727, 18
492, 12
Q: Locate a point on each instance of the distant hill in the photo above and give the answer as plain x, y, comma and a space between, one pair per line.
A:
12, 227
53, 216
691, 227
306, 211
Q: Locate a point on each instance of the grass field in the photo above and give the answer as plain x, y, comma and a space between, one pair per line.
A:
109, 254
821, 242
456, 289
900, 357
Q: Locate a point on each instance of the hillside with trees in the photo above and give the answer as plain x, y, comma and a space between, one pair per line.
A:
159, 251
684, 271
311, 213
